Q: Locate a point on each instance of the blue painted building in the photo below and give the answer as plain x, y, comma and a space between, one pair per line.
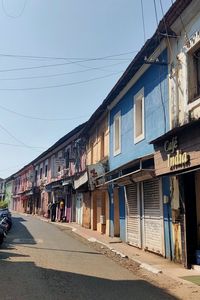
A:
152, 86
136, 196
138, 108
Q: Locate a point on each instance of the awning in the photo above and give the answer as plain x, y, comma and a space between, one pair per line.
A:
29, 193
136, 171
136, 176
80, 181
67, 182
53, 185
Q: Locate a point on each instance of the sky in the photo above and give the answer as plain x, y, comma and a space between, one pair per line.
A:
58, 61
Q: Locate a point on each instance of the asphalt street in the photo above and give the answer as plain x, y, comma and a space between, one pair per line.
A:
41, 261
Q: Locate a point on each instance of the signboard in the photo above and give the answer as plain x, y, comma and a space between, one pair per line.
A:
59, 161
178, 152
175, 157
80, 181
95, 171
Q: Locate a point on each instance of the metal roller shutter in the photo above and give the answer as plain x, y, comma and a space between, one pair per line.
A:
153, 221
133, 216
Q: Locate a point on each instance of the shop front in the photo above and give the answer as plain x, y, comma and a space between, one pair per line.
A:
99, 198
136, 202
27, 198
177, 155
82, 200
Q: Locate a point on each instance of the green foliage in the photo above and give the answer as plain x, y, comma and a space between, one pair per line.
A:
3, 204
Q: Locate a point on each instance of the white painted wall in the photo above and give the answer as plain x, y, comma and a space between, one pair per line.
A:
187, 28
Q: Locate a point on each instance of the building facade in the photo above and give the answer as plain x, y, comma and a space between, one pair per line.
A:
22, 189
97, 133
177, 152
55, 172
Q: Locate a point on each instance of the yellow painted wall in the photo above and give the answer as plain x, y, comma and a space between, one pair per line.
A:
98, 212
107, 214
95, 142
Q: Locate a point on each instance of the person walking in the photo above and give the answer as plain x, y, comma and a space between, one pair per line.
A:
61, 210
53, 212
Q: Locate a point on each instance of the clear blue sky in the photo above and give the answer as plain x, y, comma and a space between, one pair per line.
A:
77, 30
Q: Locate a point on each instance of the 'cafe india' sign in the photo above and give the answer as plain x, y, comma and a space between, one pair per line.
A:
175, 157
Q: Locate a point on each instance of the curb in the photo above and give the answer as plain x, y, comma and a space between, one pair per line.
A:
141, 264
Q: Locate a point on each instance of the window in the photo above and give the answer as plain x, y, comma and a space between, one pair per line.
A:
36, 175
194, 74
92, 151
41, 173
67, 157
102, 145
53, 166
117, 133
46, 169
139, 116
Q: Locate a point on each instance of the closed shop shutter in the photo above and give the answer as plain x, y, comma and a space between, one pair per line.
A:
133, 216
79, 209
153, 220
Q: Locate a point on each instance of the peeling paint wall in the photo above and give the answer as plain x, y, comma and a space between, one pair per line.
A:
184, 101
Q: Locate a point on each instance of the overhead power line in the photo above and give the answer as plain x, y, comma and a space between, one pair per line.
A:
59, 85
168, 41
11, 135
55, 65
156, 14
71, 62
66, 58
142, 7
63, 73
38, 118
23, 146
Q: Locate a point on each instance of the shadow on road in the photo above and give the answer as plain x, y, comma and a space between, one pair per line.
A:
22, 279
34, 282
18, 235
6, 255
63, 250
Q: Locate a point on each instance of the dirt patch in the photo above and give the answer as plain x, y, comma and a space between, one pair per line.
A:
179, 289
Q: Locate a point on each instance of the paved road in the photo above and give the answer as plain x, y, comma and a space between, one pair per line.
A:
41, 261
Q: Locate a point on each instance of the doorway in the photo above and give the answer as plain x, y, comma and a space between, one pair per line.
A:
188, 208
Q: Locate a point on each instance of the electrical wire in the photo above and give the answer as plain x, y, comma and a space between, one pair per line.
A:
25, 146
168, 41
38, 118
11, 135
160, 86
62, 74
54, 65
60, 85
156, 14
142, 8
67, 58
22, 144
